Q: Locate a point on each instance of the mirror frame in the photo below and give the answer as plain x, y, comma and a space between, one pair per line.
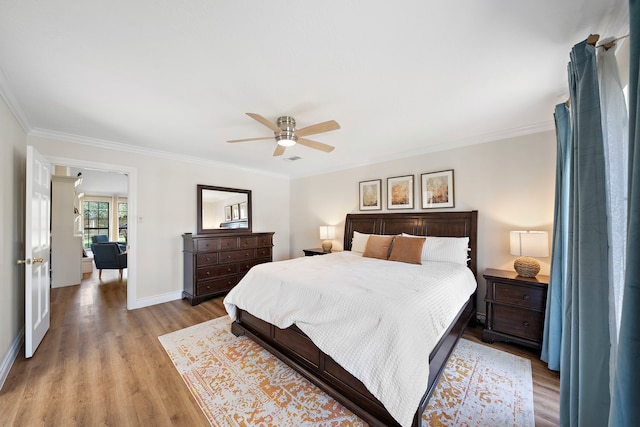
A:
201, 230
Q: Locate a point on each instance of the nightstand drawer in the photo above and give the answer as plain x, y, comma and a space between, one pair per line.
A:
524, 296
515, 321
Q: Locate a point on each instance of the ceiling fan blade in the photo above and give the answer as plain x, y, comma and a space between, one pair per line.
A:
250, 139
314, 144
264, 121
318, 128
279, 150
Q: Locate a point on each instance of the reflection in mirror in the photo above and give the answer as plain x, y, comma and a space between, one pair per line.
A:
222, 209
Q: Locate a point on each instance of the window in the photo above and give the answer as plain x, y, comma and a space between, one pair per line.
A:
123, 211
96, 220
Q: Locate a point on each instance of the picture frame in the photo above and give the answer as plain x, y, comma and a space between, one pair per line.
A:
437, 189
400, 192
227, 213
243, 210
371, 195
235, 212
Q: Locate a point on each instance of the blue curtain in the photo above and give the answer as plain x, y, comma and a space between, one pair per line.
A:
625, 405
552, 337
584, 359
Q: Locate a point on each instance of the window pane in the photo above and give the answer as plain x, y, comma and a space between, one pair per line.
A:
96, 220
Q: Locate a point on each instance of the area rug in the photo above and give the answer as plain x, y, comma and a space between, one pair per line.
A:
238, 383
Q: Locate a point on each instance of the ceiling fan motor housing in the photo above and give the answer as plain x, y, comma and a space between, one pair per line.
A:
286, 136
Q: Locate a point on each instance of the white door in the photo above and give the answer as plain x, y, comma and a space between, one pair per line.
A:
36, 250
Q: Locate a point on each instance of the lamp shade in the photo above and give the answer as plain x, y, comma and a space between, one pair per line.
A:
529, 243
327, 232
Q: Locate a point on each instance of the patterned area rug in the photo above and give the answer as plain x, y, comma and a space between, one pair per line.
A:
238, 383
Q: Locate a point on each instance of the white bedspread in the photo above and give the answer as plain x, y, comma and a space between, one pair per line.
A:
377, 319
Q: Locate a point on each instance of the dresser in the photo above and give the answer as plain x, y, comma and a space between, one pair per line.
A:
515, 307
213, 264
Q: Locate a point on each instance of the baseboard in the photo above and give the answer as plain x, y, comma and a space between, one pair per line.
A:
156, 299
7, 363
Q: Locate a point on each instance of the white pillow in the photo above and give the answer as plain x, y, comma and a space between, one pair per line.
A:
359, 242
445, 249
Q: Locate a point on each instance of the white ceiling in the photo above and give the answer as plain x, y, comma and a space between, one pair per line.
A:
401, 78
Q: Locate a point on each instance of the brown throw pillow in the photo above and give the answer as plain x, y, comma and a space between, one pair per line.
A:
407, 249
378, 246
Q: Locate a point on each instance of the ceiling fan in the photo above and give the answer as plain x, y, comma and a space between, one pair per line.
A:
286, 134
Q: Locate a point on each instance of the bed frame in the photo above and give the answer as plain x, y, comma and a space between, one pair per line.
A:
294, 348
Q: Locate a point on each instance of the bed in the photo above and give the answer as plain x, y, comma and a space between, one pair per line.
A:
296, 349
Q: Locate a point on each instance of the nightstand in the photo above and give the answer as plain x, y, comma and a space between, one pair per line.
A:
314, 251
515, 307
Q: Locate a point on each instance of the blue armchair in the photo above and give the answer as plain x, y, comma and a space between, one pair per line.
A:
108, 256
103, 238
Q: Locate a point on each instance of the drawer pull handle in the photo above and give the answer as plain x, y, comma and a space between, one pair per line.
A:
247, 254
525, 324
526, 297
208, 259
229, 270
228, 256
208, 273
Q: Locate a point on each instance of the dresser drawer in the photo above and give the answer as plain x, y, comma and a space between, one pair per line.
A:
216, 285
228, 243
203, 260
219, 270
515, 321
263, 253
524, 296
243, 267
233, 256
248, 242
208, 245
265, 240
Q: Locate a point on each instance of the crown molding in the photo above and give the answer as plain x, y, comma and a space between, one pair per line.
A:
445, 146
118, 146
13, 104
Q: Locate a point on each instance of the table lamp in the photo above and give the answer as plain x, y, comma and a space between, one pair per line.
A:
527, 244
327, 233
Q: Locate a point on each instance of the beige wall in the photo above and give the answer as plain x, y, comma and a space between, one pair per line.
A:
166, 208
510, 182
12, 186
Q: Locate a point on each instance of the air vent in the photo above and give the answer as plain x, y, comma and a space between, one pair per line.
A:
292, 159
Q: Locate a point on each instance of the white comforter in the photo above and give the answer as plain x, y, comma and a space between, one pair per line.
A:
377, 319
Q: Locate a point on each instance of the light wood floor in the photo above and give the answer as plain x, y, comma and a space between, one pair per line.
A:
100, 364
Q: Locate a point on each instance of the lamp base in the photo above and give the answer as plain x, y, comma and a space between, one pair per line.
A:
526, 266
327, 245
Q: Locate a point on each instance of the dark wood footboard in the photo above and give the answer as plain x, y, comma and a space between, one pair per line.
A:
295, 349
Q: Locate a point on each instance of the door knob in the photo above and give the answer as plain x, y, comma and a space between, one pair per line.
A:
30, 261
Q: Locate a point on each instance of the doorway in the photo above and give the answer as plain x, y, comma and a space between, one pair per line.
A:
131, 175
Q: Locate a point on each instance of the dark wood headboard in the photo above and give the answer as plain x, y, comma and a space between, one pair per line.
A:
441, 224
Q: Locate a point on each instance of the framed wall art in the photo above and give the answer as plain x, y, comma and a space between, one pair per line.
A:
235, 212
227, 213
437, 189
243, 210
400, 192
371, 195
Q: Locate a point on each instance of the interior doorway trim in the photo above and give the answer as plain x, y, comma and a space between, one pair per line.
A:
132, 205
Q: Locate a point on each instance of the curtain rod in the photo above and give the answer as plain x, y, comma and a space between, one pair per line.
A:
593, 39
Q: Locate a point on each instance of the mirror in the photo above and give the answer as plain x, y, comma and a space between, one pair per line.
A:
223, 210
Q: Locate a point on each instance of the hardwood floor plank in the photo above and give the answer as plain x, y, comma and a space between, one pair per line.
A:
101, 364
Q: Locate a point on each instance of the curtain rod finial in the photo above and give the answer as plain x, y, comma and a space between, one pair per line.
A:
593, 39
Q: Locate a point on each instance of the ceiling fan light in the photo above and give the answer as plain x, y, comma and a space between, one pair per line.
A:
286, 142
